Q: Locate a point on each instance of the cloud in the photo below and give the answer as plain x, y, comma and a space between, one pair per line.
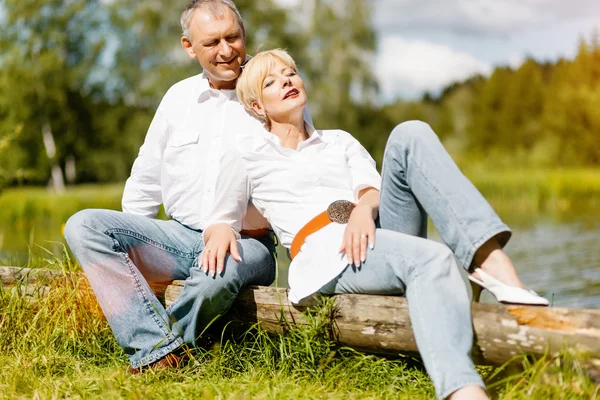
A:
407, 68
481, 17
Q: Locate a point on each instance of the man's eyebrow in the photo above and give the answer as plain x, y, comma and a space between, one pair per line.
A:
209, 39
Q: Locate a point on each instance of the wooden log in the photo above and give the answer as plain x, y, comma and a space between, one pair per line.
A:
12, 275
381, 324
35, 280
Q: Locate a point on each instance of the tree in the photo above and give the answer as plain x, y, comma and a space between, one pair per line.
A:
50, 55
341, 45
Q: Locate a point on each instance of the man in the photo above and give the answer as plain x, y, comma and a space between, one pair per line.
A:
177, 166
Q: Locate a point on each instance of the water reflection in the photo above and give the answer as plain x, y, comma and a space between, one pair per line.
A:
560, 261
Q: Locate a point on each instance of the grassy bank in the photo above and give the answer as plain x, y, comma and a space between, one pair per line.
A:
32, 217
60, 346
532, 192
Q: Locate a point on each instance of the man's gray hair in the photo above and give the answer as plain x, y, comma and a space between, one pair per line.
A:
215, 7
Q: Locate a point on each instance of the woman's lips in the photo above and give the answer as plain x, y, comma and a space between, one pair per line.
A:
291, 93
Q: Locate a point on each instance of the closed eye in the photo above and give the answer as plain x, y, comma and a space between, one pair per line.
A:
269, 84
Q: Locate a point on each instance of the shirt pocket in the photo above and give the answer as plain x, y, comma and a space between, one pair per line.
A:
180, 159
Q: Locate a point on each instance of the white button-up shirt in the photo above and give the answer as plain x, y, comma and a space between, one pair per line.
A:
179, 162
290, 187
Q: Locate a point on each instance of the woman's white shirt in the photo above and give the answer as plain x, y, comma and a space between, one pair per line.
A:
290, 187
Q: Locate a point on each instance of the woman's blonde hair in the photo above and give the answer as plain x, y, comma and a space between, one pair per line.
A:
249, 85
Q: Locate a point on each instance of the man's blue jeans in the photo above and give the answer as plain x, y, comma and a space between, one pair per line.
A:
420, 179
122, 253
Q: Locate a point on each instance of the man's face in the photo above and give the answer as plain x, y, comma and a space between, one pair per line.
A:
219, 44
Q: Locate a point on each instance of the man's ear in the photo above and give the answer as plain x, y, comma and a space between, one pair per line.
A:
187, 46
258, 109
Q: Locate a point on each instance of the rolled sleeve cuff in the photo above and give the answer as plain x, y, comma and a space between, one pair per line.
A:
374, 183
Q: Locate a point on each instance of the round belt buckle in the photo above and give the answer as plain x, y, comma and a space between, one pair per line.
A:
339, 211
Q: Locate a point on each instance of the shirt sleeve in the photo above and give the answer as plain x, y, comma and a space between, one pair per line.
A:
142, 194
232, 193
362, 166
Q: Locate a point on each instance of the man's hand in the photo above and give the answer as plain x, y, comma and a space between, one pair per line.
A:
219, 239
359, 233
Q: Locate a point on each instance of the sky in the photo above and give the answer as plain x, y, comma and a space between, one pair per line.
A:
424, 45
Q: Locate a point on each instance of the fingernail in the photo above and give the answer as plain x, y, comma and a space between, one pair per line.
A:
363, 260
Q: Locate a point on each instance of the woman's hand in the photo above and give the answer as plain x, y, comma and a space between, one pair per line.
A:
219, 239
359, 233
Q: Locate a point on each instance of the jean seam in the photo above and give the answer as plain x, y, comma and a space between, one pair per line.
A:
149, 241
416, 271
147, 303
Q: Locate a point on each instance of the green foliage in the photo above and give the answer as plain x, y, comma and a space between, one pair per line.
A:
58, 345
540, 114
95, 71
11, 158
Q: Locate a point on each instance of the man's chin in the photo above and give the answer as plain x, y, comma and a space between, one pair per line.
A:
223, 80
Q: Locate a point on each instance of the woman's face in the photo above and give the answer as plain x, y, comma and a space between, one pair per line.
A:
283, 94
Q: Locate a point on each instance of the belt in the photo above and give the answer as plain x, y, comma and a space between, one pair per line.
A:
256, 233
339, 211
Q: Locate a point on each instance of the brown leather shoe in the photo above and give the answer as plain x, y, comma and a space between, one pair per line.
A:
171, 360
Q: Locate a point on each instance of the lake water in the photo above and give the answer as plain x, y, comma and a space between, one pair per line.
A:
560, 259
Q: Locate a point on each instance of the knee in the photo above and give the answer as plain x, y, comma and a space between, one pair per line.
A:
79, 224
442, 259
411, 132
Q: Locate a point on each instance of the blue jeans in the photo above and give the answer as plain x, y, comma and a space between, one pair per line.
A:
122, 253
420, 179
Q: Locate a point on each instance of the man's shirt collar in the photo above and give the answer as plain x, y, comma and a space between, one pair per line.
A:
205, 92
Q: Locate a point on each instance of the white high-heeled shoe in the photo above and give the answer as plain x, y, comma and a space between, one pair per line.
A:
504, 293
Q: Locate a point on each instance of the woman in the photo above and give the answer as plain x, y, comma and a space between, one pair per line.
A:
293, 173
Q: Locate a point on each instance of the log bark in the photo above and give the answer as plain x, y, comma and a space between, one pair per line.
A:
381, 324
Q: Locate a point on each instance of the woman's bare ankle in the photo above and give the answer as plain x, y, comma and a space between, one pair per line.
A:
494, 261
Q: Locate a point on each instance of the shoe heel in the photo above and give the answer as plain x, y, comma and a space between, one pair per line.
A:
476, 289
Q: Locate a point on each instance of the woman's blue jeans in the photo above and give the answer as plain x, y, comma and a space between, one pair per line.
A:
122, 253
420, 179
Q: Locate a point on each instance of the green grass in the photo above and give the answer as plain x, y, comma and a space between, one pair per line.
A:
60, 346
